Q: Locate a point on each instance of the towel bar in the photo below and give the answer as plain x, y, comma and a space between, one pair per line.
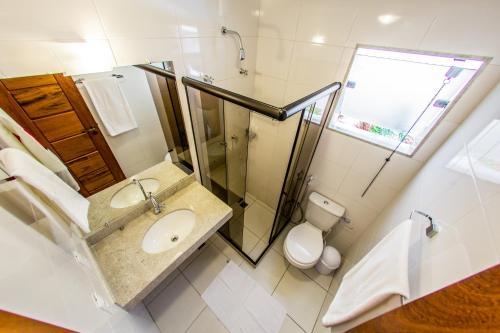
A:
432, 229
80, 80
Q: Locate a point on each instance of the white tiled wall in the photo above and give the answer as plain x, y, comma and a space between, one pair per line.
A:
304, 44
464, 206
293, 47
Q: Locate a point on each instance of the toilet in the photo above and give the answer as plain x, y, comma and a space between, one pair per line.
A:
303, 245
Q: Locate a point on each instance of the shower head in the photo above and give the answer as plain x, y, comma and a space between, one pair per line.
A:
225, 30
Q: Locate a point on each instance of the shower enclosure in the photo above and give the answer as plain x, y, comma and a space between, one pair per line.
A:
255, 157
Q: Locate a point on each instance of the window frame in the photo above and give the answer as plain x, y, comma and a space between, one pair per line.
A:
486, 60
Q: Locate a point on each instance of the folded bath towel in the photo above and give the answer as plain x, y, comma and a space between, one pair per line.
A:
111, 105
382, 273
19, 164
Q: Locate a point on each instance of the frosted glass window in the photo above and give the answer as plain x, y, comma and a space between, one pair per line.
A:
318, 109
386, 91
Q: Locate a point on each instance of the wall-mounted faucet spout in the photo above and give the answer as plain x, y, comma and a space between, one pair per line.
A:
225, 30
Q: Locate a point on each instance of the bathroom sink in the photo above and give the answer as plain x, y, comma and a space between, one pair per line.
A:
169, 231
131, 194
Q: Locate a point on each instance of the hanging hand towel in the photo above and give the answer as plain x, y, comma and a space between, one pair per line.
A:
12, 135
19, 164
382, 273
111, 105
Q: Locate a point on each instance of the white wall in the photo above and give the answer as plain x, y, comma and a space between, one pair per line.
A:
144, 146
86, 36
465, 206
41, 281
305, 44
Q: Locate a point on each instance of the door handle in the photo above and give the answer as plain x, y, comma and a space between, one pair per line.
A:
90, 130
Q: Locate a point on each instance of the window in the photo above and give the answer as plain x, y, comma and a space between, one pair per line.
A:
392, 96
318, 109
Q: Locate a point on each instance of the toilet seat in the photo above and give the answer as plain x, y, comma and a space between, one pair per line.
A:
303, 245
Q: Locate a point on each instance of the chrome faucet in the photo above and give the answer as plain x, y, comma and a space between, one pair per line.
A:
157, 206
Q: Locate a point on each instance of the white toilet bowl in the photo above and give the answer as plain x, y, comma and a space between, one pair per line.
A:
303, 245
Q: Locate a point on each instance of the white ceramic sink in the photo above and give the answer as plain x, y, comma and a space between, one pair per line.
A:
169, 231
131, 194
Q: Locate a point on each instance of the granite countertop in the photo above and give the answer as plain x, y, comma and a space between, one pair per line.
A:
104, 219
130, 272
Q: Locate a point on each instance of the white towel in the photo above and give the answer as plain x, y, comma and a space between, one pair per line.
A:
382, 273
28, 144
110, 104
19, 164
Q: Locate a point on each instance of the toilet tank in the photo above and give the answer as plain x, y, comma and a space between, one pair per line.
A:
322, 212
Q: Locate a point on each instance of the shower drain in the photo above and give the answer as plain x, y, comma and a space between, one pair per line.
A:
174, 238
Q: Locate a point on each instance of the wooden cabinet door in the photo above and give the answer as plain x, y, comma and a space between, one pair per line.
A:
51, 108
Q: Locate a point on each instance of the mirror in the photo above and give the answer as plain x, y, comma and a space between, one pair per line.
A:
105, 126
102, 127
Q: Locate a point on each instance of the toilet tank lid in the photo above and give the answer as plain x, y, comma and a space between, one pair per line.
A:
327, 204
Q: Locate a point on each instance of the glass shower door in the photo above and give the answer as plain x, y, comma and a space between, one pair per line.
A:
221, 133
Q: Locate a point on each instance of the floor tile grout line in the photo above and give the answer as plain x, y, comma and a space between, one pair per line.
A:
298, 325
163, 288
319, 313
195, 319
151, 315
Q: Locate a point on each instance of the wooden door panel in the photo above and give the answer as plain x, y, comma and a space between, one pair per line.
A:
74, 147
97, 179
51, 108
70, 89
29, 81
87, 164
469, 306
60, 126
42, 101
12, 323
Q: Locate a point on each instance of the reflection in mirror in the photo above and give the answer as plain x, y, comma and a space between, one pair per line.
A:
92, 131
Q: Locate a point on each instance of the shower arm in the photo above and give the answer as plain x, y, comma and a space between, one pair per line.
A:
225, 30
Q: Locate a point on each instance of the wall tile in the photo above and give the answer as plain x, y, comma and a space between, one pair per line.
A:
326, 21
207, 55
278, 18
269, 90
314, 63
84, 57
199, 18
242, 16
138, 19
22, 58
49, 20
273, 57
449, 33
327, 173
338, 148
143, 51
409, 23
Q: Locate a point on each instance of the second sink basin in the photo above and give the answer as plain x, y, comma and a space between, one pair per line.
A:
169, 231
131, 194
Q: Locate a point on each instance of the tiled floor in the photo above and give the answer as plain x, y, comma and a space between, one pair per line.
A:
176, 305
